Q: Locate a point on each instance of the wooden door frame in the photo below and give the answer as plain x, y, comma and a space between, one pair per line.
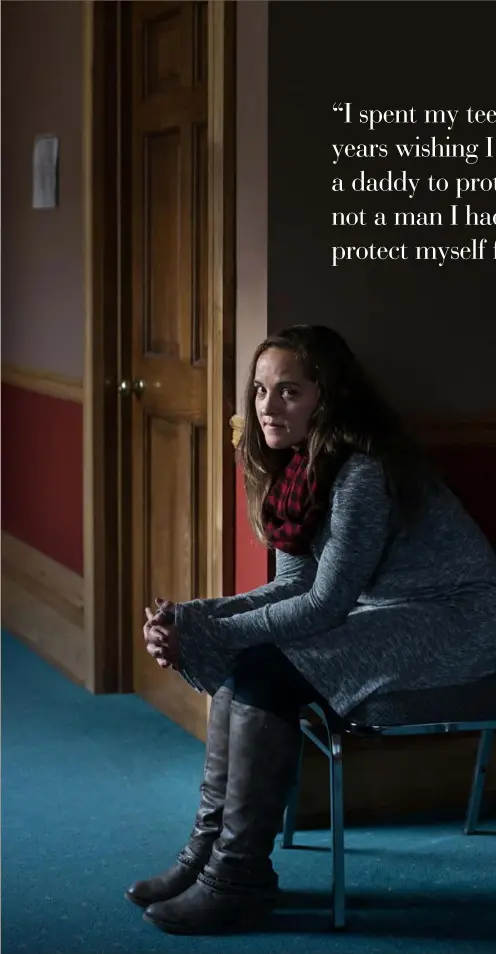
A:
106, 428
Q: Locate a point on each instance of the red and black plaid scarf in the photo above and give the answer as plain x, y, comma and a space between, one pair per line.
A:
294, 507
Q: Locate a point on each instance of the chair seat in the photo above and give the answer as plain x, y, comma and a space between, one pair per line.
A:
472, 702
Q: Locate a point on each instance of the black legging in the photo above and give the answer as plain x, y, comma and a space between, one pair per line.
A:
264, 678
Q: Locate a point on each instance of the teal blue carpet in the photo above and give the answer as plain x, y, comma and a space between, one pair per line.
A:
100, 791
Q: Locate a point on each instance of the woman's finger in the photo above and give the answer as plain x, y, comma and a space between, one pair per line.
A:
155, 635
160, 631
155, 651
156, 648
152, 638
148, 613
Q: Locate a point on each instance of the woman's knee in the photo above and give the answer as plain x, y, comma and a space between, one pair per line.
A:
260, 679
264, 677
257, 675
259, 661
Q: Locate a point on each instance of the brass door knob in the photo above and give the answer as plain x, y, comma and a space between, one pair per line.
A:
137, 386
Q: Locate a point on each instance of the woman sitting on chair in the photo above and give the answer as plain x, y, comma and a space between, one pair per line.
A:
383, 583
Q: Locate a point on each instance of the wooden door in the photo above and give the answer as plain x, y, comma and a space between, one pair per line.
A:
169, 212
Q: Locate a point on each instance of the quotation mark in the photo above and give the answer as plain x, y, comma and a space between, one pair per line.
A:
338, 107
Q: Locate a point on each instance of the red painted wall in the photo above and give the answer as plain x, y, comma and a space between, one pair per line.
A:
251, 557
42, 474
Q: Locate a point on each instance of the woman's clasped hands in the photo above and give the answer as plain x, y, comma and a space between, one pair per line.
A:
162, 637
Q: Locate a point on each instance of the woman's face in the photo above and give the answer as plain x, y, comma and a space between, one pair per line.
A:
284, 398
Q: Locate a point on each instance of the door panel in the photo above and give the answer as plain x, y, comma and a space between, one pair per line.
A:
169, 302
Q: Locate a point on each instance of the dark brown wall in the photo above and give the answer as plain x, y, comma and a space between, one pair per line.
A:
429, 333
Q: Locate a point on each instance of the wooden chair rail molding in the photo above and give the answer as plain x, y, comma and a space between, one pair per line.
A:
43, 382
431, 432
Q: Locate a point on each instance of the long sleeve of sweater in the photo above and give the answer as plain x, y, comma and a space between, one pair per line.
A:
294, 574
354, 538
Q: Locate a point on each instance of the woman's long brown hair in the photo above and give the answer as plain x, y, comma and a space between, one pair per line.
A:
351, 416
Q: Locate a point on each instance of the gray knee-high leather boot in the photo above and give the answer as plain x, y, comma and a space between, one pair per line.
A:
208, 821
239, 882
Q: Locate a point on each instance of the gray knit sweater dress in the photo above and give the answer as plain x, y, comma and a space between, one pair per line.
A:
372, 609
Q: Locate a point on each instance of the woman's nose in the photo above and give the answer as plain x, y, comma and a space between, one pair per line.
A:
271, 403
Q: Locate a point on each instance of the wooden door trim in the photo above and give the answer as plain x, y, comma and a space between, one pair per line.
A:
100, 350
221, 294
105, 528
90, 421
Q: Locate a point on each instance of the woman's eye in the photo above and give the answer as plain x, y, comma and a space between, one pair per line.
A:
260, 391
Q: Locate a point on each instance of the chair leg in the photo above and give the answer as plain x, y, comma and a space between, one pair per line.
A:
337, 830
479, 777
289, 820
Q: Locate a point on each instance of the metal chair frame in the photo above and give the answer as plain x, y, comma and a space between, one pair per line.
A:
334, 751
